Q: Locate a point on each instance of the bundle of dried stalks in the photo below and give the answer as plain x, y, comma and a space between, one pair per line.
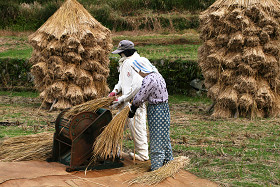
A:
168, 170
90, 91
91, 106
62, 103
227, 77
245, 69
236, 41
109, 143
73, 47
30, 147
246, 102
246, 84
228, 98
213, 92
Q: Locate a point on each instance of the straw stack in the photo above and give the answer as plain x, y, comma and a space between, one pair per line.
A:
240, 57
70, 58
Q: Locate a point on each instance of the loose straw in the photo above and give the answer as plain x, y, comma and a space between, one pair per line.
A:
109, 142
90, 106
168, 170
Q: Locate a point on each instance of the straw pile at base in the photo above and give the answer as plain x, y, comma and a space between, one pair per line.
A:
156, 176
70, 57
240, 57
30, 147
109, 143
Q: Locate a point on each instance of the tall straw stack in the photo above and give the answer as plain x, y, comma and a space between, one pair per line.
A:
240, 57
72, 48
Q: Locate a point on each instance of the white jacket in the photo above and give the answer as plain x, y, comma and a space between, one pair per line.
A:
129, 80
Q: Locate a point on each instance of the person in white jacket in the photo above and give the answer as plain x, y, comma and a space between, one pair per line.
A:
129, 84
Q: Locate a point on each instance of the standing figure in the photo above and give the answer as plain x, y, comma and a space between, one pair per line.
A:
154, 91
128, 85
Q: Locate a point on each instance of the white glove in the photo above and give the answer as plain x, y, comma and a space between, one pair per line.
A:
116, 104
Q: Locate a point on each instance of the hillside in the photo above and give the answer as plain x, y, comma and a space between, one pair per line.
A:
117, 15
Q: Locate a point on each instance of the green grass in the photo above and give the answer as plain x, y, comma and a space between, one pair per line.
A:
151, 46
17, 53
177, 99
231, 151
22, 94
179, 51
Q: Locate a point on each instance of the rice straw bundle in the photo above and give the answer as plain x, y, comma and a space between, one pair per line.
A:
230, 61
90, 106
213, 92
271, 48
90, 91
168, 170
62, 103
228, 98
211, 74
236, 40
245, 69
84, 78
227, 76
252, 41
58, 89
39, 69
30, 147
109, 142
70, 71
246, 102
221, 111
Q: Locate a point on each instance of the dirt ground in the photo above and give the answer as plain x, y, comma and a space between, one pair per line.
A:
39, 173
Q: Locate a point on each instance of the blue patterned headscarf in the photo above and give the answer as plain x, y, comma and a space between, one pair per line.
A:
144, 66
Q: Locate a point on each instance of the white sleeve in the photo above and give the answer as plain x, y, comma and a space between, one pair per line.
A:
118, 87
135, 83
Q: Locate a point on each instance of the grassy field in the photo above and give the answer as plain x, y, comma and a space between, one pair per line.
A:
231, 152
152, 46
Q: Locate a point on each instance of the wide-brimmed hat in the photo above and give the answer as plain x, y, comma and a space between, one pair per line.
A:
124, 45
